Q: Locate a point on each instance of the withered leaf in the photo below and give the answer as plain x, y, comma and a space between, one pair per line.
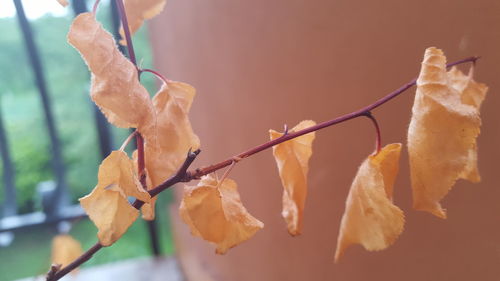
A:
443, 130
292, 158
107, 205
168, 142
65, 249
63, 3
138, 11
118, 169
214, 212
370, 218
115, 85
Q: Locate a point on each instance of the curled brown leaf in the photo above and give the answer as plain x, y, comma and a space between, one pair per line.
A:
107, 205
138, 11
443, 130
292, 158
63, 3
168, 142
214, 212
370, 218
115, 85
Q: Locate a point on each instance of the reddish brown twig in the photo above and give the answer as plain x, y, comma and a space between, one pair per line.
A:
141, 162
183, 175
361, 112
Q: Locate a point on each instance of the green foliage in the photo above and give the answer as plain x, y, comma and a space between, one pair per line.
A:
68, 85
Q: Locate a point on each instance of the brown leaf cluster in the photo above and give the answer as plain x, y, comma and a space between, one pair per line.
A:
65, 249
441, 139
162, 121
292, 158
370, 218
443, 130
214, 212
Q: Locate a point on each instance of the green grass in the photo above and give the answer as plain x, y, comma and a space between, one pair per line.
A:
29, 254
67, 80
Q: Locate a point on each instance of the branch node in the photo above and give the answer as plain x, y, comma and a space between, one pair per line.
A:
54, 268
182, 174
236, 159
285, 130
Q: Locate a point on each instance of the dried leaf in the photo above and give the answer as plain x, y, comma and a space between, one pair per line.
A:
118, 169
214, 212
115, 84
168, 143
138, 11
292, 158
63, 3
443, 130
107, 205
65, 249
370, 218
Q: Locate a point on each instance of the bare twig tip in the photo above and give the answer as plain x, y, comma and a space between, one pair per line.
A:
54, 268
285, 130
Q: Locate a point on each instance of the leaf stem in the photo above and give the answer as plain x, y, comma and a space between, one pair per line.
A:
127, 141
378, 138
94, 8
156, 73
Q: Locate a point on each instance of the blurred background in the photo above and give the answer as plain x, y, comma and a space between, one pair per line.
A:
53, 138
256, 65
261, 64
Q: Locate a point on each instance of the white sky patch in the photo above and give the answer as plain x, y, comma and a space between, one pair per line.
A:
33, 8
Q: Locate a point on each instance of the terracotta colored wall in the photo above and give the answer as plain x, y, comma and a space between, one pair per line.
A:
260, 64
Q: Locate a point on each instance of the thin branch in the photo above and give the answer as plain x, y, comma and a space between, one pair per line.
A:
54, 268
139, 140
76, 263
196, 174
126, 30
141, 162
183, 175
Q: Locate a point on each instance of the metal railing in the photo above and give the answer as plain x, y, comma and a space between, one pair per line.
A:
54, 195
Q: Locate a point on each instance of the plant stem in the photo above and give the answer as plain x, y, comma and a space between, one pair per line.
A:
76, 263
139, 140
94, 8
126, 30
156, 73
378, 138
361, 112
183, 175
